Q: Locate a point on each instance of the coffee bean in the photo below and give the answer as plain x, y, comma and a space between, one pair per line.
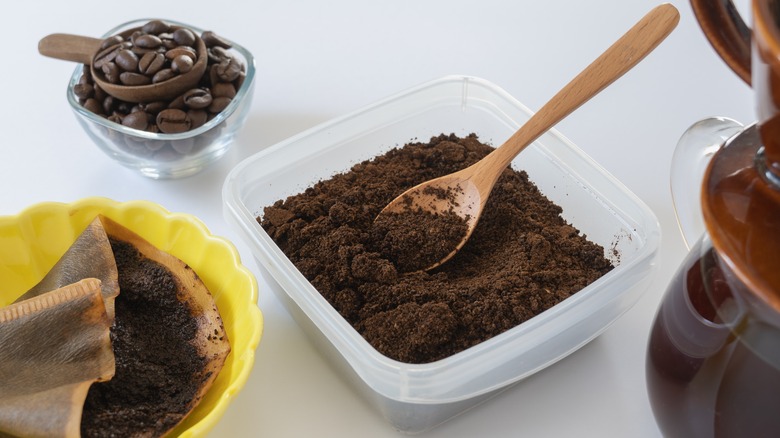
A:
83, 91
86, 76
100, 93
130, 78
141, 51
127, 60
163, 75
229, 69
213, 40
135, 146
148, 41
218, 104
122, 106
184, 37
106, 55
155, 145
239, 82
223, 89
211, 70
110, 41
177, 103
171, 121
136, 120
183, 146
217, 54
156, 27
181, 50
155, 107
151, 63
182, 64
213, 58
198, 117
111, 72
136, 34
108, 105
94, 106
168, 41
197, 98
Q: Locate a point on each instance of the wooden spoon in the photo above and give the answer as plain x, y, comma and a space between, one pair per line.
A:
82, 49
468, 189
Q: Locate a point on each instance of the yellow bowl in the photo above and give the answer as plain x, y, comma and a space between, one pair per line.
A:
32, 241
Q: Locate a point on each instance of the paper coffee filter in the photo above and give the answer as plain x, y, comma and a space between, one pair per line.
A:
211, 339
55, 345
90, 256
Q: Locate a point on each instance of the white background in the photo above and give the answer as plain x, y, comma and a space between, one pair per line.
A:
317, 60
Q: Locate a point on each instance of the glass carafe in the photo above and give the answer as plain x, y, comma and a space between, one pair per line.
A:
713, 360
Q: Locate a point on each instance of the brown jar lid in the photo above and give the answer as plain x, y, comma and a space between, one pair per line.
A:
741, 207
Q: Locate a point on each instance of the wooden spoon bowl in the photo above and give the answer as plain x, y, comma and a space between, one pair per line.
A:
82, 49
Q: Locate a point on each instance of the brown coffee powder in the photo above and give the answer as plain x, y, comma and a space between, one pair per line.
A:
522, 258
417, 239
158, 370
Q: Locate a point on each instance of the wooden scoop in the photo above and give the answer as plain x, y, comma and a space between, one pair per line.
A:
82, 49
469, 188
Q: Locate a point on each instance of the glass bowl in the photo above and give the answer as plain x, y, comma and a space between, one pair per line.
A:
158, 155
32, 241
417, 397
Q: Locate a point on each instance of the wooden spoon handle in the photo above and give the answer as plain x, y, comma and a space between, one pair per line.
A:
624, 54
69, 47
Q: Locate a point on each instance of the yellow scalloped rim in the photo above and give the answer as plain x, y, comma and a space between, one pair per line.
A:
32, 241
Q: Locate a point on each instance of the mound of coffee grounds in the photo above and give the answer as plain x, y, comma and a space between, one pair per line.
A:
522, 258
158, 371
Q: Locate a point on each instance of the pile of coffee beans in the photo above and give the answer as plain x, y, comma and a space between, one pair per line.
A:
153, 54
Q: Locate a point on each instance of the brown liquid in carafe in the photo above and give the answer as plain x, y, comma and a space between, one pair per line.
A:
708, 377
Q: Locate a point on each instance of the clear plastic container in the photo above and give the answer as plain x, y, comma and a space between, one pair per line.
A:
417, 397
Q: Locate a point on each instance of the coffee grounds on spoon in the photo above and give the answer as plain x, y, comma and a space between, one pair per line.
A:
522, 259
415, 238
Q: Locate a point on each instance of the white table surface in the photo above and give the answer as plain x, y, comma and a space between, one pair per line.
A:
317, 60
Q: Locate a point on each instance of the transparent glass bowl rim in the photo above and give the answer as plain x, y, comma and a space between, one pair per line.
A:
219, 118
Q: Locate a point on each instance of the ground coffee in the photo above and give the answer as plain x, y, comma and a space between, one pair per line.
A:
415, 240
522, 258
158, 370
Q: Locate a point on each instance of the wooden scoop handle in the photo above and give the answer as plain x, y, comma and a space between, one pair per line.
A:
69, 47
618, 59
